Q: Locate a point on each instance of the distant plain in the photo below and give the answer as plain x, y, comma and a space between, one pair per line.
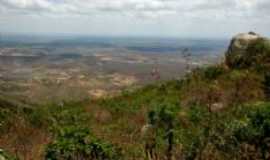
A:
55, 69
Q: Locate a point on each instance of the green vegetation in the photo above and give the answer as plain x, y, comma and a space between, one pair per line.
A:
209, 113
5, 156
214, 112
78, 143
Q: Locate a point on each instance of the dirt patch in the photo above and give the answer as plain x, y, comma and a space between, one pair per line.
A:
120, 80
97, 93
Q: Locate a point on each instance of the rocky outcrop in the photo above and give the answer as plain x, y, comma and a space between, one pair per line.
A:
245, 49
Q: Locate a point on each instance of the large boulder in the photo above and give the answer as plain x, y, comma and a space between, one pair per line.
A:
247, 50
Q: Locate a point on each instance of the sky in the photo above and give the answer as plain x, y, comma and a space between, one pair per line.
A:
162, 18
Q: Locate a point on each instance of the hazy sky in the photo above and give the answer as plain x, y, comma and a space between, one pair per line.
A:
178, 18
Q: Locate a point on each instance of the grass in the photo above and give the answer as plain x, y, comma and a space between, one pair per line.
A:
213, 112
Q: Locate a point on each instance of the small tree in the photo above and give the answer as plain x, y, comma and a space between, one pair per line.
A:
164, 120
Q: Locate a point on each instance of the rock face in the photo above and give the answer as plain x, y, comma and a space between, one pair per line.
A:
245, 48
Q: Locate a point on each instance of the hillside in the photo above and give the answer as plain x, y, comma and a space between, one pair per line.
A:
217, 112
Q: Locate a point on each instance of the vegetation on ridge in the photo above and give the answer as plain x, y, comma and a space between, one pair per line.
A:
215, 112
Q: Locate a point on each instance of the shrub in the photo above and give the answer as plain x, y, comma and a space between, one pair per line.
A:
266, 84
74, 143
163, 121
6, 156
53, 116
257, 132
241, 86
213, 72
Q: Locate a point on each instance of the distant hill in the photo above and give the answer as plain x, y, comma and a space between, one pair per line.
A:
135, 44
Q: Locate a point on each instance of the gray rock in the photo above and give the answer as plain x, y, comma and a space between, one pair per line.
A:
238, 54
238, 47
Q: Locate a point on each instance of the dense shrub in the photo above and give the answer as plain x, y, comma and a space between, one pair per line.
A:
258, 54
239, 133
75, 143
257, 132
213, 72
55, 116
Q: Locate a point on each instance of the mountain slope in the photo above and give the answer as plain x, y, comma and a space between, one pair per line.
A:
218, 112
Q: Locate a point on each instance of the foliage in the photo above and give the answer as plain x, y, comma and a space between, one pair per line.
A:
6, 156
78, 143
211, 72
266, 84
212, 113
257, 131
56, 116
163, 121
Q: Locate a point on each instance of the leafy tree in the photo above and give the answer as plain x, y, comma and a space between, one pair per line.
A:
164, 119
